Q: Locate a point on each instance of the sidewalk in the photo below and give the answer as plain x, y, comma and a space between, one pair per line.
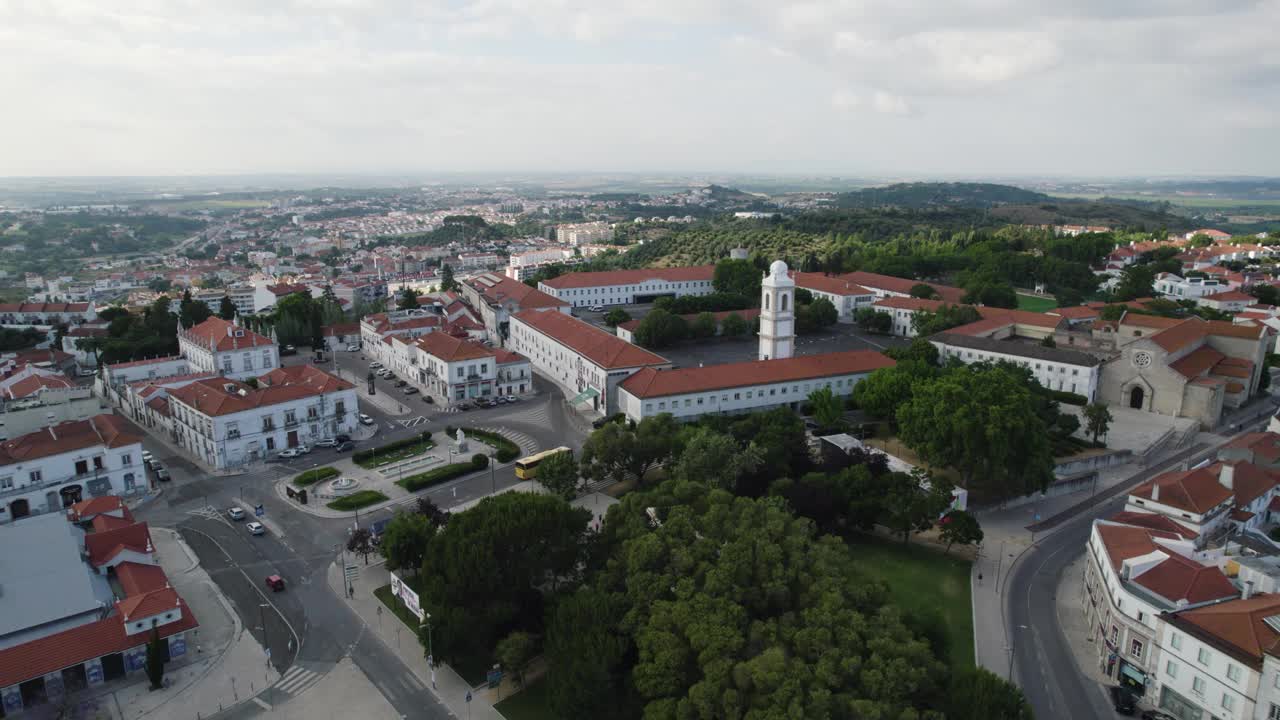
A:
449, 687
385, 403
225, 663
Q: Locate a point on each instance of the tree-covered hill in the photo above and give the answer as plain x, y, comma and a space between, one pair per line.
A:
933, 195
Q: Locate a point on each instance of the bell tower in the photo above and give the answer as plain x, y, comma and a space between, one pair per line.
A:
777, 313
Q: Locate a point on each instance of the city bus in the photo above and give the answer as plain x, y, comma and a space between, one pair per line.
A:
527, 467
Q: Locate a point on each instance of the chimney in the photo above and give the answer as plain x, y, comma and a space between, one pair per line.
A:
1227, 476
1155, 491
1248, 590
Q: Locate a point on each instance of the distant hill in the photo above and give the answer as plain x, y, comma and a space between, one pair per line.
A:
922, 196
1112, 213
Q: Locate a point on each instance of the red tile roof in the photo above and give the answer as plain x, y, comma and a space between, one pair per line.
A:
498, 289
452, 349
602, 348
211, 397
1179, 578
1265, 446
148, 361
1197, 362
86, 509
1123, 542
221, 335
1237, 627
1196, 491
889, 283
138, 578
650, 383
103, 546
32, 384
1148, 321
340, 329
909, 303
506, 357
1230, 296
112, 431
147, 604
1251, 482
609, 278
1078, 312
103, 523
1188, 331
830, 284
1154, 521
44, 308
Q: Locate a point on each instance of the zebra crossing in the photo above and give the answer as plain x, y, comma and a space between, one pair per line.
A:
297, 678
414, 421
528, 445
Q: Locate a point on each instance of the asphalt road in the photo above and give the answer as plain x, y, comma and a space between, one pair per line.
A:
300, 547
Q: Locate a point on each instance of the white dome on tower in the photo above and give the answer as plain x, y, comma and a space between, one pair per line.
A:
778, 269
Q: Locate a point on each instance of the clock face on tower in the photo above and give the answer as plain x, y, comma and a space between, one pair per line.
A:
1142, 359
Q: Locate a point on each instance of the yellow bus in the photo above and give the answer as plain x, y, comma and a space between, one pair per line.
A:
527, 467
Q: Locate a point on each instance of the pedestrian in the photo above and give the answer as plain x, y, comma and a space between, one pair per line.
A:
979, 579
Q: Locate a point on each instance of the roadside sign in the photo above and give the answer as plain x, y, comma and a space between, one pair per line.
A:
351, 572
494, 678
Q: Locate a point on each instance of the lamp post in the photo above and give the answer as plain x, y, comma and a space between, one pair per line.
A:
262, 618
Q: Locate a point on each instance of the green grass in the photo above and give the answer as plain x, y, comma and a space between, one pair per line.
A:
506, 450
472, 669
528, 704
923, 581
414, 483
315, 475
379, 457
1035, 303
395, 606
357, 500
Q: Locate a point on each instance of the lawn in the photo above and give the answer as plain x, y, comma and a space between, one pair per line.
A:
357, 500
379, 457
923, 581
1036, 303
472, 669
315, 475
528, 704
414, 483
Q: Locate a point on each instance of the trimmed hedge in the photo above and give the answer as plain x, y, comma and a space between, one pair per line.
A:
363, 455
357, 500
1069, 398
414, 483
315, 475
480, 460
506, 450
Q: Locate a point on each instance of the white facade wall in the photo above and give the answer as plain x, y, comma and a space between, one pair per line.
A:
230, 440
626, 294
1066, 377
1177, 287
40, 482
239, 363
746, 398
1205, 524
846, 305
1203, 676
450, 382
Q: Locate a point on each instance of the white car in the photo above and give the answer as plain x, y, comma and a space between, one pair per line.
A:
292, 452
327, 442
236, 513
375, 365
597, 308
353, 348
147, 457
365, 419
256, 529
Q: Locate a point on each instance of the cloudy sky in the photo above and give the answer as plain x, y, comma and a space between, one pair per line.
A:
972, 87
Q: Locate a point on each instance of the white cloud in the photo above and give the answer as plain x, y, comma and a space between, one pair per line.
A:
1090, 86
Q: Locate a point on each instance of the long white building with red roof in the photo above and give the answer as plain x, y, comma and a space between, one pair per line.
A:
451, 370
227, 423
627, 287
51, 469
586, 362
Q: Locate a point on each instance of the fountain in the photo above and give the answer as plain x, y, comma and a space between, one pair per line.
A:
343, 486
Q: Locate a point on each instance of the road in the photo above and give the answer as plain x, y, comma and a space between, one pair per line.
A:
308, 627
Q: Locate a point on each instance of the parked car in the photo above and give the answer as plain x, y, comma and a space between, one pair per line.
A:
341, 438
236, 513
597, 308
410, 390
365, 419
162, 475
346, 446
1122, 699
1157, 715
327, 442
147, 458
463, 406
288, 350
275, 582
256, 528
304, 448
375, 365
401, 383
428, 400
292, 452
353, 347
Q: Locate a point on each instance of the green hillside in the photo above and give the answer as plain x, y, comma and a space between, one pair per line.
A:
934, 195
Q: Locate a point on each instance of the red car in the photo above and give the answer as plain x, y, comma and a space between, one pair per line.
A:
275, 582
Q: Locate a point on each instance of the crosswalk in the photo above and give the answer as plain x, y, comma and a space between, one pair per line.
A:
414, 421
527, 444
297, 679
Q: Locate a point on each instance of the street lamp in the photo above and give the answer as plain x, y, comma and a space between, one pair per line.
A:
1011, 648
262, 618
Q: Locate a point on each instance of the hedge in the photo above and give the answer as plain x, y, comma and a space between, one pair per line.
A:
357, 500
362, 455
414, 483
1069, 398
315, 475
506, 450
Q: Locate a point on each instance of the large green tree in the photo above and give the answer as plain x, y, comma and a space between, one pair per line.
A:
489, 566
734, 326
737, 277
827, 408
983, 421
192, 312
815, 316
405, 539
226, 309
978, 694
1136, 281
716, 459
884, 390
704, 326
873, 321
661, 329
447, 282
1097, 420
155, 659
408, 299
559, 475
617, 452
590, 656
945, 317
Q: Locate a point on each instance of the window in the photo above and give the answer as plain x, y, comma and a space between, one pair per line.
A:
1141, 615
6, 483
1171, 669
1135, 649
1228, 702
1274, 712
36, 476
1233, 673
246, 361
1197, 686
266, 358
226, 363
1203, 657
1115, 633
126, 459
340, 407
82, 467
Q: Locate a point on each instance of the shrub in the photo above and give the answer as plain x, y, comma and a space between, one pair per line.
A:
413, 483
507, 450
314, 476
480, 461
357, 500
1069, 398
506, 455
1275, 534
363, 455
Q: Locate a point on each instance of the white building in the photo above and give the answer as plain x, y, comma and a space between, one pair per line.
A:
627, 287
777, 313
586, 362
1230, 301
244, 297
217, 345
497, 298
473, 260
227, 423
1176, 286
53, 468
584, 233
453, 370
49, 313
689, 393
846, 296
1063, 369
266, 294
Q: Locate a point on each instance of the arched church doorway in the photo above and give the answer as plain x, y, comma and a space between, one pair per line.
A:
1136, 397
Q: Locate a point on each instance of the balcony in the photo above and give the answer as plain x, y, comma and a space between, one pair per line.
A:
290, 422
268, 427
233, 434
473, 376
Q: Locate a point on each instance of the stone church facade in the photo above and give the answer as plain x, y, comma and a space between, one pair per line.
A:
1188, 368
